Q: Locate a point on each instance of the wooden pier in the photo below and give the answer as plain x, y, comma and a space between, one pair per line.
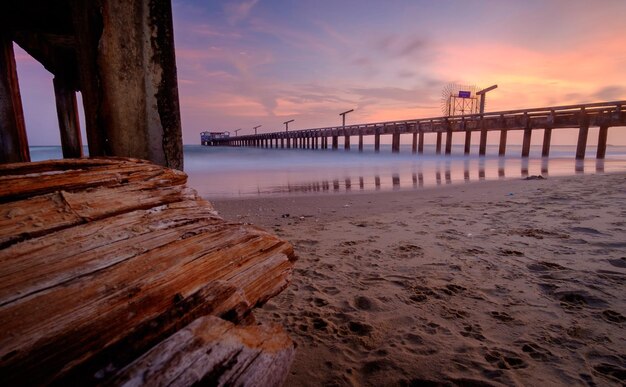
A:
582, 116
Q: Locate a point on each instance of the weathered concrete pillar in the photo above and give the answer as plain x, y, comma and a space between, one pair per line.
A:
502, 147
377, 141
414, 143
602, 136
547, 136
13, 140
395, 142
420, 144
468, 142
335, 142
438, 146
581, 146
449, 141
128, 81
346, 144
482, 145
360, 142
526, 142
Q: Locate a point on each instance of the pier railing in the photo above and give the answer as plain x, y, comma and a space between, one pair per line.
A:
581, 116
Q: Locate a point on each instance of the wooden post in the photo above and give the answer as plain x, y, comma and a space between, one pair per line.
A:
346, 144
602, 136
449, 141
395, 142
482, 146
13, 140
547, 136
468, 142
438, 149
377, 141
128, 79
526, 142
335, 142
581, 147
502, 147
420, 144
360, 142
414, 143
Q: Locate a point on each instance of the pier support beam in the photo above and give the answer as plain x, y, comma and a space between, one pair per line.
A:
438, 148
395, 142
468, 142
67, 113
449, 141
482, 146
581, 146
502, 147
360, 142
377, 142
335, 142
526, 142
547, 136
420, 144
346, 144
13, 140
602, 136
414, 143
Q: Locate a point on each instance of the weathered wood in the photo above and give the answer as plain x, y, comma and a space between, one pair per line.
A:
360, 142
482, 144
214, 352
335, 142
414, 143
13, 140
602, 137
95, 271
377, 142
67, 114
346, 144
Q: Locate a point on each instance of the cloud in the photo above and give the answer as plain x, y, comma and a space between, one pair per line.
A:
238, 11
611, 93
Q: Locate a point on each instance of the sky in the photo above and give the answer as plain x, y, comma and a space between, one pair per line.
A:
244, 63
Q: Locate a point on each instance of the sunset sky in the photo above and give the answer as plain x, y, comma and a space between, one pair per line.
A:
256, 62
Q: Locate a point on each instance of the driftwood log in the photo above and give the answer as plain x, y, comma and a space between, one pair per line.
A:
108, 268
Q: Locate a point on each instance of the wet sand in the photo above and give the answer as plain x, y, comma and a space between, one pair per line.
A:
517, 282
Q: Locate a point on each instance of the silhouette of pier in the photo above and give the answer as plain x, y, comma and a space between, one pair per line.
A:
582, 116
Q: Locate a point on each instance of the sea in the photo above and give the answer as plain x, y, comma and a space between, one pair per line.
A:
242, 172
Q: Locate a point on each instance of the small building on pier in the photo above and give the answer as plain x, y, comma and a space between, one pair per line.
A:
209, 138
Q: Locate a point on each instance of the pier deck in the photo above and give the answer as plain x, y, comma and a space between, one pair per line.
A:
582, 116
113, 270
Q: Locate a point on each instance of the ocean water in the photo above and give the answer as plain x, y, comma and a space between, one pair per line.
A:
226, 172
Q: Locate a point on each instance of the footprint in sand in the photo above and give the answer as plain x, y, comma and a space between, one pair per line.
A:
501, 316
536, 352
613, 316
510, 253
620, 262
505, 360
612, 372
543, 266
474, 331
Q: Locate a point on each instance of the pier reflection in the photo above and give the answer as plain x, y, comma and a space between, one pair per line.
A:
412, 176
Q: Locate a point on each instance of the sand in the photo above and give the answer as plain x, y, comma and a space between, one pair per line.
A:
517, 282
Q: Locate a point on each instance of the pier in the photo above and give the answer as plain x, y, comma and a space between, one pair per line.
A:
582, 116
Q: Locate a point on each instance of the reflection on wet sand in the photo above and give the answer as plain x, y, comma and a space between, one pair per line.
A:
417, 179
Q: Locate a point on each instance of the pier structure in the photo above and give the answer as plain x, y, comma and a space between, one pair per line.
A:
581, 116
118, 55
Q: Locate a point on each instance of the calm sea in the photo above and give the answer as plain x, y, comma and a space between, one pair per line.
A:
222, 172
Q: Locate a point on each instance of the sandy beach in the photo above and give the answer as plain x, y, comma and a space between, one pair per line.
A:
518, 282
